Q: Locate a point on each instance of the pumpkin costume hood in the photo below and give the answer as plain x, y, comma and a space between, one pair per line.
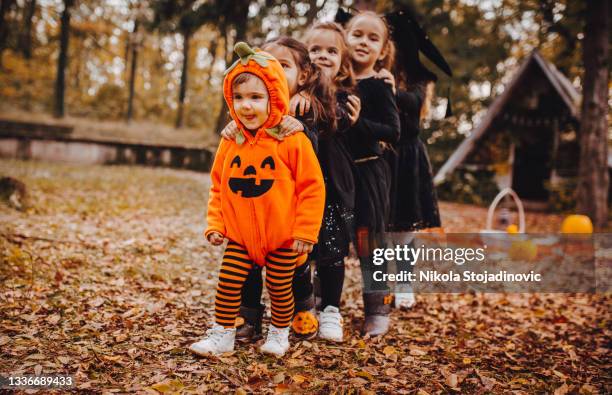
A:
270, 71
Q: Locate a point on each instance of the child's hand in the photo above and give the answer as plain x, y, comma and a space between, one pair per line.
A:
354, 108
387, 77
299, 104
215, 238
302, 247
289, 126
230, 131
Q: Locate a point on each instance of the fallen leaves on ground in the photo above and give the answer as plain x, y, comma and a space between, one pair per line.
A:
107, 277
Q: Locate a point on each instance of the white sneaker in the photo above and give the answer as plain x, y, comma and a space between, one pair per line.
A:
218, 341
404, 300
330, 324
277, 341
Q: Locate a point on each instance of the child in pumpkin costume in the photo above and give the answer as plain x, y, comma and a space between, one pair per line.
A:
267, 197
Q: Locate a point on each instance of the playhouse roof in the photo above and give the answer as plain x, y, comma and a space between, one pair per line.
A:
561, 85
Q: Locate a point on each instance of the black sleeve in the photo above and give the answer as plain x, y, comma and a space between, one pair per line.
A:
388, 127
311, 134
410, 101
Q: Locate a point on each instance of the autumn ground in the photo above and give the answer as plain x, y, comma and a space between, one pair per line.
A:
106, 277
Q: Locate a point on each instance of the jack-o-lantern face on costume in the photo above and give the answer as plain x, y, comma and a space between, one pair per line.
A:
247, 186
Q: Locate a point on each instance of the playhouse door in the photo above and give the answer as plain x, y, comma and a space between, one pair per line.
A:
532, 167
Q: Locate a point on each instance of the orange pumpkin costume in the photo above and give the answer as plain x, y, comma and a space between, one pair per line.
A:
265, 192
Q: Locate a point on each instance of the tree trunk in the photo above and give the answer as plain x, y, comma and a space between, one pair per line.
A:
183, 87
62, 60
224, 117
5, 6
26, 35
240, 21
592, 194
313, 10
133, 64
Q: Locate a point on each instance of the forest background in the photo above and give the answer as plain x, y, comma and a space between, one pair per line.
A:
152, 70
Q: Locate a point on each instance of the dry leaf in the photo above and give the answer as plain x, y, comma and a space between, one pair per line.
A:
278, 378
364, 374
416, 351
168, 386
389, 350
282, 389
562, 390
391, 372
97, 302
298, 378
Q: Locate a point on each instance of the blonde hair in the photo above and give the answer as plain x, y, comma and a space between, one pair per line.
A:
388, 47
345, 77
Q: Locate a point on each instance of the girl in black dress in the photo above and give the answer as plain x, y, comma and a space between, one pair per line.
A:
371, 50
328, 49
414, 204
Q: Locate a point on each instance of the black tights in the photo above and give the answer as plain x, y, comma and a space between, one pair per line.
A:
331, 278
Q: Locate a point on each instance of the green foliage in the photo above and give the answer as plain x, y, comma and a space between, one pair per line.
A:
482, 41
465, 186
562, 195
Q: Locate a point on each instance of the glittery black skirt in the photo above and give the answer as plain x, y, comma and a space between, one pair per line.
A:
335, 234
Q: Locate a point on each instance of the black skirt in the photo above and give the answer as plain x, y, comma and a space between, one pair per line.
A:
372, 187
414, 204
336, 233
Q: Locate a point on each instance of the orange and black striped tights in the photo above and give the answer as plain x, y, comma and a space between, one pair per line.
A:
235, 268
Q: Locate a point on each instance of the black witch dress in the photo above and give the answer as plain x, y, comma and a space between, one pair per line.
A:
414, 204
337, 166
378, 122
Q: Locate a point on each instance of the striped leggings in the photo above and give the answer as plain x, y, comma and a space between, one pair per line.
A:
235, 268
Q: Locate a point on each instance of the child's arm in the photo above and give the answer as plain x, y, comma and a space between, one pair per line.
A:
214, 215
309, 188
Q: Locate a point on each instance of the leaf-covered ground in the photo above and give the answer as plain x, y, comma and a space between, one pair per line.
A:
106, 277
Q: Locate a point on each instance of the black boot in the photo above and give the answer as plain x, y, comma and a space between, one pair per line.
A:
250, 329
377, 306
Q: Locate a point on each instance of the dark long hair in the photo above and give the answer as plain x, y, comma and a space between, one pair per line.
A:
317, 87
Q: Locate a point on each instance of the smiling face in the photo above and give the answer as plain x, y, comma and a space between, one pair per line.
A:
295, 77
250, 101
366, 38
324, 48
